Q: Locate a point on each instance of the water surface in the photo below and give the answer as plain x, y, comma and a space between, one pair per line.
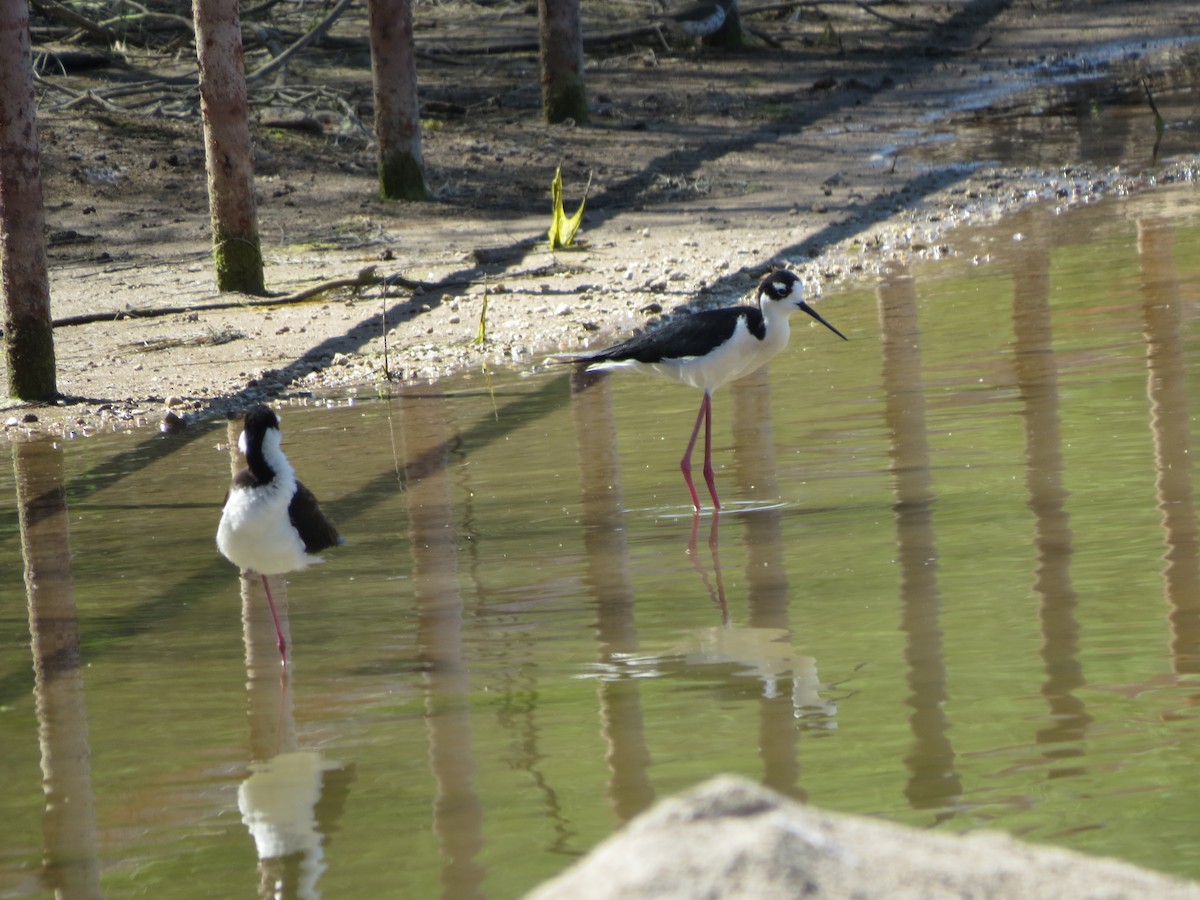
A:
955, 586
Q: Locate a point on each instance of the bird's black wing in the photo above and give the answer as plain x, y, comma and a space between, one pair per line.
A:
306, 517
690, 335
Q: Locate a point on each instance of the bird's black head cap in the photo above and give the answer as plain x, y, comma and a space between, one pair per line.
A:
778, 285
783, 285
259, 418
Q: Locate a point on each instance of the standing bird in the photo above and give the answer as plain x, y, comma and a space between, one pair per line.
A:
708, 348
271, 523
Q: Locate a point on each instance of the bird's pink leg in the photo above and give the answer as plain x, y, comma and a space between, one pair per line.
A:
708, 466
275, 617
685, 464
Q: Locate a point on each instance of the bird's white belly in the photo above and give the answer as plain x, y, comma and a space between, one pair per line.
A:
255, 532
736, 358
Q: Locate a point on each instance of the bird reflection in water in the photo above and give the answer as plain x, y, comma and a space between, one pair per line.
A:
293, 797
716, 584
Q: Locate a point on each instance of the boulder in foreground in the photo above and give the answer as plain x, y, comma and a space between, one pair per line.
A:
731, 838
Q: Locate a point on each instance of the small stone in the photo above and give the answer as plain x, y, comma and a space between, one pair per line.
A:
171, 423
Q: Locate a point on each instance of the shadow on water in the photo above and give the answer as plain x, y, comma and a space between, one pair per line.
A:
956, 585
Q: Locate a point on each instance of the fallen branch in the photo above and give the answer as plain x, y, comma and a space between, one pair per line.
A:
55, 10
364, 279
319, 29
178, 23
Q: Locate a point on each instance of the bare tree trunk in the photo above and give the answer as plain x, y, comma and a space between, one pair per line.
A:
560, 35
24, 283
397, 110
230, 163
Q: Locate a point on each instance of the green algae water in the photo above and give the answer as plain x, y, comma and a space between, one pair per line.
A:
956, 586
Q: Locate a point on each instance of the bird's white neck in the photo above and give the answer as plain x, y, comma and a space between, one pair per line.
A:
777, 321
273, 452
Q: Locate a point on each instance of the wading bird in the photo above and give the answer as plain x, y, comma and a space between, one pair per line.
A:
271, 523
706, 349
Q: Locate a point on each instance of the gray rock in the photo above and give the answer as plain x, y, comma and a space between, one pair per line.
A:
731, 838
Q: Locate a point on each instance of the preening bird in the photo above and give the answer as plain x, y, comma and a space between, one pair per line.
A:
706, 349
271, 523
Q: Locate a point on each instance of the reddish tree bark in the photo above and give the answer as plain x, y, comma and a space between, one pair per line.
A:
228, 153
24, 282
560, 36
397, 109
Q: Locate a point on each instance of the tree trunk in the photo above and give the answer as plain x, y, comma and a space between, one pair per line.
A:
560, 36
24, 283
228, 153
397, 110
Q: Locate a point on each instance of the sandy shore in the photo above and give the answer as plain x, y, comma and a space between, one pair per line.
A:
707, 169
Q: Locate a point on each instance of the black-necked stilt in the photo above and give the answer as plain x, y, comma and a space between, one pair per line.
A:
706, 349
271, 523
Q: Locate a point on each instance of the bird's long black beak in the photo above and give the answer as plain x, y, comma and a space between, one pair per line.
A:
816, 315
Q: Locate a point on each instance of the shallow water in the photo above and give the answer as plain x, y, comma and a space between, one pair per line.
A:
1094, 108
956, 586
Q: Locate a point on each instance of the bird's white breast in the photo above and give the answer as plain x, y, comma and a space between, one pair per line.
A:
740, 355
255, 532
